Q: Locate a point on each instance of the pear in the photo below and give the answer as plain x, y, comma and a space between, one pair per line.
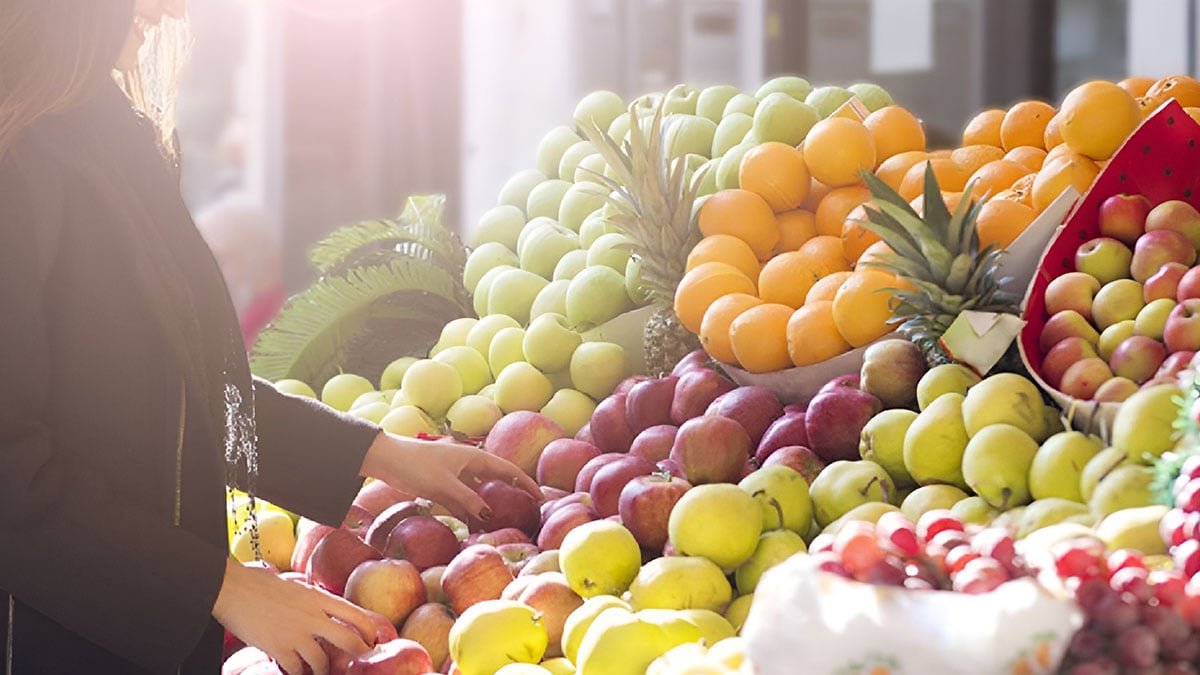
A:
773, 548
1125, 487
680, 628
681, 582
843, 485
1098, 467
867, 513
1010, 519
934, 444
975, 510
618, 642
494, 633
882, 442
1058, 465
996, 464
1145, 422
1045, 512
1053, 420
1005, 398
738, 610
581, 618
600, 558
1135, 528
930, 498
944, 379
713, 626
891, 370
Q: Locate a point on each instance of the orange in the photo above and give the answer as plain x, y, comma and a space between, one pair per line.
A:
1193, 112
1061, 152
812, 335
996, 176
1182, 88
1001, 222
759, 338
984, 128
743, 214
855, 237
1052, 136
1022, 190
950, 177
1147, 105
826, 287
1027, 155
894, 130
1136, 86
724, 248
891, 170
862, 306
700, 287
786, 278
832, 211
795, 227
1096, 117
1025, 124
824, 255
714, 327
816, 192
837, 149
970, 157
777, 173
872, 255
950, 199
941, 154
1057, 175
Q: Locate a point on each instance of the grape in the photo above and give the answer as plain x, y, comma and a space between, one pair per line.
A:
1126, 557
1189, 609
1081, 557
896, 532
1170, 528
1086, 644
1168, 586
1188, 499
1113, 614
1137, 647
935, 521
1187, 650
958, 558
1095, 667
1181, 668
1167, 624
1089, 593
1132, 581
997, 544
1187, 557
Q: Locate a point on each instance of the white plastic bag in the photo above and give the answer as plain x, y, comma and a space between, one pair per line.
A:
807, 622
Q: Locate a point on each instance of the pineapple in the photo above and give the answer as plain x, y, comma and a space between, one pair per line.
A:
652, 205
939, 256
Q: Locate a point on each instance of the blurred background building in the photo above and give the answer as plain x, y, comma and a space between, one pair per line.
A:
319, 113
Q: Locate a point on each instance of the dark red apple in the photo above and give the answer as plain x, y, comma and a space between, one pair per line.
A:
610, 479
835, 420
609, 426
381, 528
753, 407
649, 403
561, 461
695, 391
583, 483
424, 541
787, 430
396, 657
335, 557
711, 450
476, 574
654, 443
645, 507
511, 507
849, 380
562, 521
798, 458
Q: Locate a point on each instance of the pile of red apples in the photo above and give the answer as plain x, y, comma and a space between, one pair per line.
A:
1129, 315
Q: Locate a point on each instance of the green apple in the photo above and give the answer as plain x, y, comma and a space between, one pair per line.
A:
712, 100
473, 415
717, 521
780, 117
1113, 336
596, 295
689, 134
796, 87
549, 343
597, 367
480, 336
342, 389
372, 412
515, 192
1046, 512
825, 100
996, 464
545, 199
505, 348
551, 148
580, 201
612, 250
454, 333
570, 409
619, 128
681, 99
1058, 465
704, 180
599, 107
1145, 422
520, 386
513, 292
1099, 466
1125, 487
591, 169
569, 266
551, 299
408, 420
872, 95
730, 132
974, 510
545, 247
638, 292
479, 296
472, 367
882, 442
297, 387
740, 103
731, 165
572, 157
432, 386
485, 257
680, 582
929, 498
500, 224
773, 548
369, 398
782, 493
594, 225
843, 485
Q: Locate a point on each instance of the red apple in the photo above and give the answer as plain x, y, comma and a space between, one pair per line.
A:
561, 461
1155, 249
423, 541
1176, 215
610, 479
1084, 377
625, 385
517, 554
1182, 332
1115, 390
847, 381
609, 426
1060, 357
552, 597
1176, 363
1065, 324
376, 495
335, 557
548, 508
671, 468
392, 588
381, 528
511, 507
476, 574
550, 493
645, 507
396, 657
695, 360
1072, 291
835, 420
500, 537
583, 482
654, 443
358, 520
432, 578
1138, 358
1105, 258
787, 430
520, 437
1189, 285
585, 434
711, 450
546, 561
1123, 217
753, 407
695, 391
649, 403
1164, 283
798, 458
796, 408
430, 626
563, 521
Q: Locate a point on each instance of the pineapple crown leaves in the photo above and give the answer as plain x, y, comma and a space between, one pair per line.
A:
1168, 467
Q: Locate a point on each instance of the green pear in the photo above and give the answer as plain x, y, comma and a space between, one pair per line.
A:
713, 626
681, 582
1099, 466
996, 464
1135, 528
1125, 487
1145, 422
867, 513
1005, 398
935, 442
844, 485
599, 558
929, 498
974, 509
947, 378
1048, 511
1058, 465
783, 495
882, 442
773, 548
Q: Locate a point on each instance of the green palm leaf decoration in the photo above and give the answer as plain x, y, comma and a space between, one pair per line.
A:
386, 290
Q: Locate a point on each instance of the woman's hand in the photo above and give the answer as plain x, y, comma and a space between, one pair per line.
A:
444, 471
285, 618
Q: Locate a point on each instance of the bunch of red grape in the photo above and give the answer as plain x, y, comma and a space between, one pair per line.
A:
1137, 620
938, 553
1180, 528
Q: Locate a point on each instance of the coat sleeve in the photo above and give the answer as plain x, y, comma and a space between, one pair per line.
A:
309, 454
123, 578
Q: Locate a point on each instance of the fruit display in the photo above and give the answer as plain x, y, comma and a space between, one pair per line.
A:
769, 233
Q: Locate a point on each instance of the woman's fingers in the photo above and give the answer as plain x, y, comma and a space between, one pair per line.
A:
465, 500
351, 630
492, 466
312, 654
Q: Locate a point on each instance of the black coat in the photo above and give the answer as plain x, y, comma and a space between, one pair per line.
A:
112, 526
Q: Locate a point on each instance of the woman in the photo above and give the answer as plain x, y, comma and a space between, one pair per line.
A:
125, 392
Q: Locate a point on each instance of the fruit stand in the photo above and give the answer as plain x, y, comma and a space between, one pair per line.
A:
802, 394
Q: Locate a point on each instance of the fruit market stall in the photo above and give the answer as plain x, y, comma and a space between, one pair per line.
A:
801, 393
